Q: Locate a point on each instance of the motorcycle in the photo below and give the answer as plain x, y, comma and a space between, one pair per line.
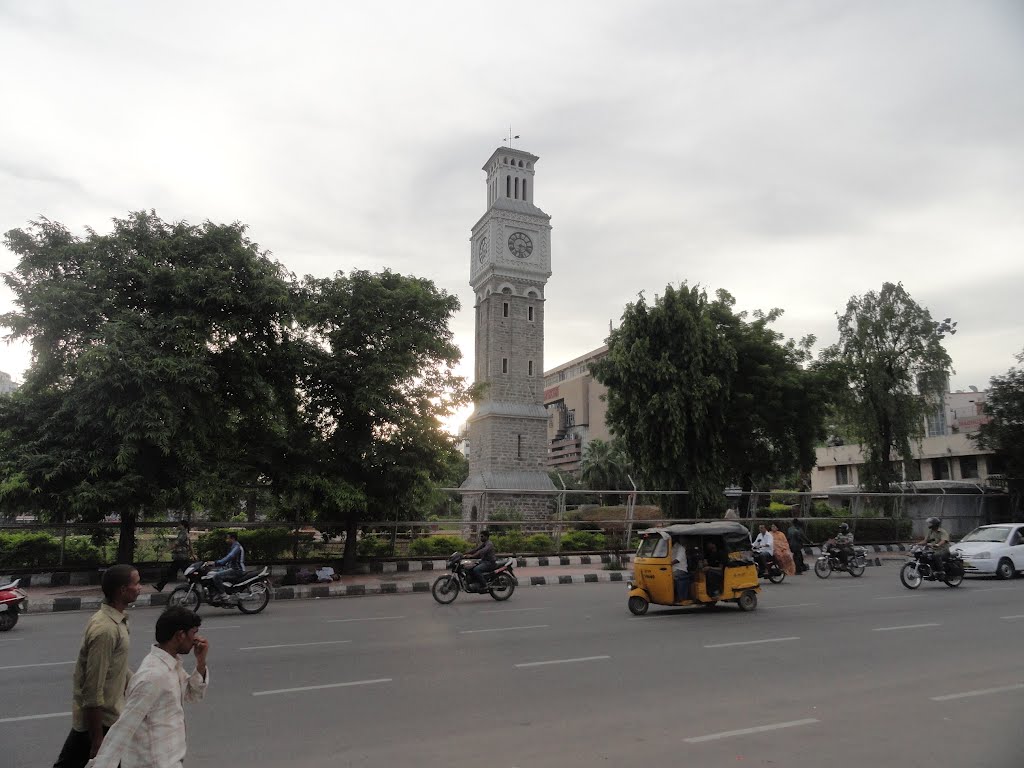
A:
768, 568
249, 594
11, 599
829, 561
924, 568
499, 583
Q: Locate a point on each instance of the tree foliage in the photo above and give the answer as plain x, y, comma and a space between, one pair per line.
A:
701, 396
1004, 434
896, 371
178, 366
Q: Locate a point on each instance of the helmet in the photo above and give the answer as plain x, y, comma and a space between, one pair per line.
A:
933, 522
844, 528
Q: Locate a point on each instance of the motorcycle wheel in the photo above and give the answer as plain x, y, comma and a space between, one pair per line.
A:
954, 579
255, 598
910, 575
502, 587
822, 568
776, 576
8, 619
638, 606
186, 598
856, 570
445, 589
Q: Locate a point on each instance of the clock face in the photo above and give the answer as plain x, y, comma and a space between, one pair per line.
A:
481, 249
520, 245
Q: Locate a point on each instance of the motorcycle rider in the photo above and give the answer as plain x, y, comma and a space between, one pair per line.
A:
764, 548
232, 565
842, 544
485, 551
936, 542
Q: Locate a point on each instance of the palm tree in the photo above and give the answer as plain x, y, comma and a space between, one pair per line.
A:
604, 466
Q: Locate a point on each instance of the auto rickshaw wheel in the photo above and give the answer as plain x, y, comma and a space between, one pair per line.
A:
747, 601
638, 606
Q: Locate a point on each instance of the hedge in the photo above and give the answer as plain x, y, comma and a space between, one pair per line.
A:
41, 550
259, 543
577, 541
438, 545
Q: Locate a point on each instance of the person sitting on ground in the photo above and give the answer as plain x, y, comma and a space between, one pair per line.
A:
764, 548
232, 565
485, 551
680, 571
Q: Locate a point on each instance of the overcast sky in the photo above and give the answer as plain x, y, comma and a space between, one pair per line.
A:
793, 153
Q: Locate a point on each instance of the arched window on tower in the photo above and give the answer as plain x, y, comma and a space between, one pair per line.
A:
508, 186
517, 188
524, 189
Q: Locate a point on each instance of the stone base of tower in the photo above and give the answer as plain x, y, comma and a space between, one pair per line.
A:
482, 496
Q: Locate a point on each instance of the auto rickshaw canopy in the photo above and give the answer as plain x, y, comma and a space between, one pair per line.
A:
735, 534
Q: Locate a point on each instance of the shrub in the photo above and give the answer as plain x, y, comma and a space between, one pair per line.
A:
41, 550
540, 544
505, 515
865, 530
438, 545
371, 545
577, 541
259, 544
511, 542
824, 509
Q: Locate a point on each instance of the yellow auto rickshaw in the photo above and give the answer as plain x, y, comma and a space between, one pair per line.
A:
719, 567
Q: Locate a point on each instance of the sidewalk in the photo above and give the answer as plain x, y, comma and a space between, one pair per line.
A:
413, 577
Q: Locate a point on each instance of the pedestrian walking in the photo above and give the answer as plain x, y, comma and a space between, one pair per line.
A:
101, 671
151, 730
797, 541
181, 556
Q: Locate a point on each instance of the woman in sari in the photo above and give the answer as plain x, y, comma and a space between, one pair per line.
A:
783, 554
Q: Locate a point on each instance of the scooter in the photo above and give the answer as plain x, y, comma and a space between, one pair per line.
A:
11, 599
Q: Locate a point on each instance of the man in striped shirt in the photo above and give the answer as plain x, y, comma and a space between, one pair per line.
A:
151, 730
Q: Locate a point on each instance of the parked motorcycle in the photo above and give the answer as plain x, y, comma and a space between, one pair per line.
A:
829, 561
249, 594
499, 583
923, 567
768, 568
11, 599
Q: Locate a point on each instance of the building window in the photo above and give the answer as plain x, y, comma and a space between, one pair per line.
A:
529, 370
504, 309
937, 423
940, 469
504, 365
842, 475
529, 314
968, 467
517, 189
519, 446
524, 189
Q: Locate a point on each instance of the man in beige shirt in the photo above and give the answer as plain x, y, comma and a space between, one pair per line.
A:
101, 672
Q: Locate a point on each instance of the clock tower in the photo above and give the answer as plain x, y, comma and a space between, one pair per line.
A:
510, 263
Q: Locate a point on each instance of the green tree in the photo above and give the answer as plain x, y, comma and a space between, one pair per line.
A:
378, 378
1004, 434
605, 466
669, 371
155, 359
896, 371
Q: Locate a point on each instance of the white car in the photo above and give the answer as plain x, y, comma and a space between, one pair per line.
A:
993, 549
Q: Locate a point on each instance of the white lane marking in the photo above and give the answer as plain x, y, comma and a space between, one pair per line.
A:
905, 626
292, 645
514, 610
223, 626
1009, 618
561, 661
982, 692
503, 629
33, 717
753, 642
746, 731
368, 618
47, 664
322, 687
791, 605
994, 589
895, 597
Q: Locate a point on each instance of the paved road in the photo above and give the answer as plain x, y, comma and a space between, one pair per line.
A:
841, 672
